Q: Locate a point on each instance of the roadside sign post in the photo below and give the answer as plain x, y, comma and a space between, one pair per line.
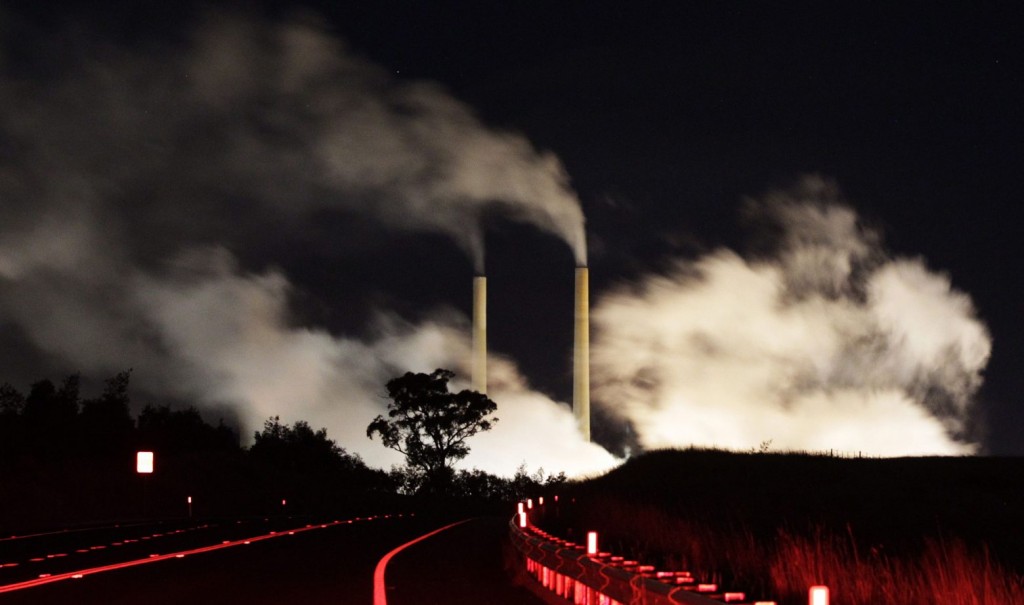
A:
144, 467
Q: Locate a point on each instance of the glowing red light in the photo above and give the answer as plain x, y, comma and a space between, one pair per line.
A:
520, 508
144, 462
817, 595
379, 589
284, 502
540, 500
591, 542
153, 558
529, 503
522, 519
190, 499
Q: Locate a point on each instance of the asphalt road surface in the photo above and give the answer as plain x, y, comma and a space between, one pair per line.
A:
327, 561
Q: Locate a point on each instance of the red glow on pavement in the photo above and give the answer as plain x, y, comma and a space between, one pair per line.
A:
78, 574
380, 596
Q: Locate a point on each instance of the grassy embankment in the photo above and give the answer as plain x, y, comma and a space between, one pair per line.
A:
904, 531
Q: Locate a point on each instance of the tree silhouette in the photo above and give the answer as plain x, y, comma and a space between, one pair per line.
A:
106, 422
182, 431
297, 447
12, 434
430, 425
51, 416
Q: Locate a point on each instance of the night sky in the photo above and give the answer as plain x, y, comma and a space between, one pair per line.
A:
673, 124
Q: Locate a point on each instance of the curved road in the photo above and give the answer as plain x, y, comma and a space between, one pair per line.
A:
333, 564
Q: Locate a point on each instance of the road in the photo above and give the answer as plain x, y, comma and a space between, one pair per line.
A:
332, 561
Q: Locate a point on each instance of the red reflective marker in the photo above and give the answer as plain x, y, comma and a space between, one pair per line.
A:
144, 462
818, 595
591, 542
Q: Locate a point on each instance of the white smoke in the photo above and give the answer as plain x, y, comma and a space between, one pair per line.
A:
822, 343
230, 332
132, 184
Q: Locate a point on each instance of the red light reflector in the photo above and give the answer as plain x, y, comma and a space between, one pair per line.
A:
591, 542
522, 519
144, 462
817, 595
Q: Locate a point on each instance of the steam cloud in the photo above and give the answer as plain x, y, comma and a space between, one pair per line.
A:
822, 342
132, 183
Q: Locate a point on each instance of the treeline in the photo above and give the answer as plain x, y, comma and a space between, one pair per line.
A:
65, 459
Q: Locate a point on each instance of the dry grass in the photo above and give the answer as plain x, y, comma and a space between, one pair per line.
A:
779, 557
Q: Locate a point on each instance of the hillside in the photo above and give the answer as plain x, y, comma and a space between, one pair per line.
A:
759, 518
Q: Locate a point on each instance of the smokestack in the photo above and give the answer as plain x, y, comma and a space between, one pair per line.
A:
581, 353
480, 334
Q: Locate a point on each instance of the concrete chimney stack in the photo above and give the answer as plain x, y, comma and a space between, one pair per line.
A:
581, 353
480, 334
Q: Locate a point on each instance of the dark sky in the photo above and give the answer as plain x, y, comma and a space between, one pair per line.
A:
666, 116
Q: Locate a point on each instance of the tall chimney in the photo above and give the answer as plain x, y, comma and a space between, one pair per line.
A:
581, 353
480, 334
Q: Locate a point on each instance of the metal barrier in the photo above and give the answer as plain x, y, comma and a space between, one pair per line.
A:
583, 578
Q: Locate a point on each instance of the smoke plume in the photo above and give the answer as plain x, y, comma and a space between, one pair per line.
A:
135, 184
820, 341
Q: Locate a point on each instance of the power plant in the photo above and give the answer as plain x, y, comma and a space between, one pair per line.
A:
581, 346
480, 334
581, 353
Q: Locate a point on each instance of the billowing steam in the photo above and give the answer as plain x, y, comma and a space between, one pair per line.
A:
326, 129
132, 184
821, 342
229, 332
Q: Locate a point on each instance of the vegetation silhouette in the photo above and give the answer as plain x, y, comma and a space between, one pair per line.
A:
68, 460
430, 425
